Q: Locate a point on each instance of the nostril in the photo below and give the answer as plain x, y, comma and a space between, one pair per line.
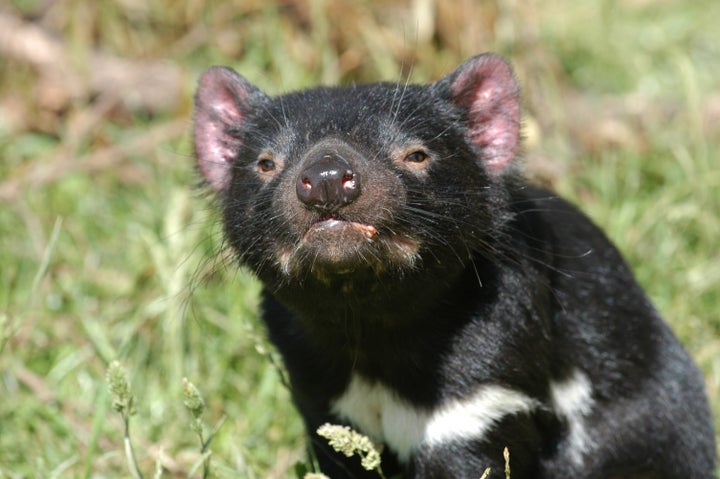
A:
350, 185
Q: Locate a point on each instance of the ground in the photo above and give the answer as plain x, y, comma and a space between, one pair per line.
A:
108, 249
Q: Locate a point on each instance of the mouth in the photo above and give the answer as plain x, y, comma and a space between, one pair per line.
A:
335, 245
330, 226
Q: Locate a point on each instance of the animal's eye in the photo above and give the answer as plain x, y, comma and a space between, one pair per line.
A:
417, 157
266, 163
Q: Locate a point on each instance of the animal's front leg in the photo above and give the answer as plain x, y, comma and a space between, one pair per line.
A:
468, 458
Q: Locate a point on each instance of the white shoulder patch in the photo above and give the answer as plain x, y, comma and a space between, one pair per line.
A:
380, 413
473, 417
572, 400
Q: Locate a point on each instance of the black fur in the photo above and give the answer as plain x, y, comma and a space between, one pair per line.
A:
446, 273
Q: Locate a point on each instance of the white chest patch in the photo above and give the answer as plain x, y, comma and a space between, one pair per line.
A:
381, 414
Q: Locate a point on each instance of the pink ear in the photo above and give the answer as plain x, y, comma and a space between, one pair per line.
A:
222, 104
486, 88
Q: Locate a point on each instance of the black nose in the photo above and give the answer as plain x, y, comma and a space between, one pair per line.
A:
328, 183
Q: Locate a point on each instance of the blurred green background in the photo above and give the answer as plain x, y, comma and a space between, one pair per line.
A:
108, 250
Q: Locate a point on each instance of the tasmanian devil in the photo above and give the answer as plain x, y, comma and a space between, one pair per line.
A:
422, 292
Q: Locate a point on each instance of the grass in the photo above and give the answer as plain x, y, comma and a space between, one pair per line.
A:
107, 248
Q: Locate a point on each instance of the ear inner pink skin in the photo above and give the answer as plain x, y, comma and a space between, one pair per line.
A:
490, 93
218, 107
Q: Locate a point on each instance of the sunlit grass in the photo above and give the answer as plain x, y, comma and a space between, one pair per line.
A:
109, 251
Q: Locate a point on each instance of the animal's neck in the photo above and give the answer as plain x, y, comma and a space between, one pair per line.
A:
378, 317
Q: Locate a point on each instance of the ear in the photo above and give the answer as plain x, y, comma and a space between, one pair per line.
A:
485, 88
223, 102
